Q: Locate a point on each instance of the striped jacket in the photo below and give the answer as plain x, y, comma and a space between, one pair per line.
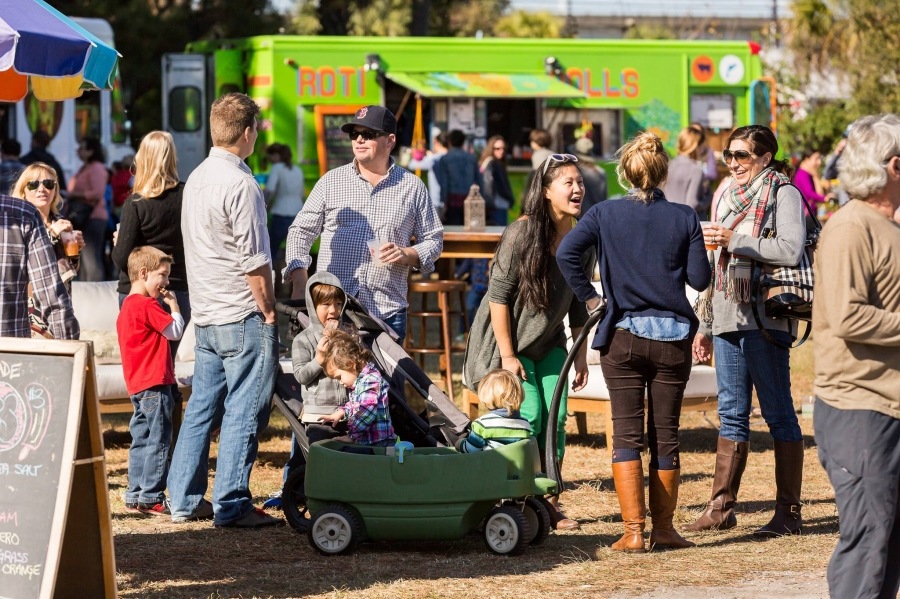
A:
495, 429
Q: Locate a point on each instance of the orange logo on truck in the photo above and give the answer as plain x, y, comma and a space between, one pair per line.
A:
702, 69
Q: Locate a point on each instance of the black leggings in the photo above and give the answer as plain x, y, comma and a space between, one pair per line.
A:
633, 366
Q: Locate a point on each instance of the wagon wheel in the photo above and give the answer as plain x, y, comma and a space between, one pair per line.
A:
336, 529
293, 500
538, 520
506, 530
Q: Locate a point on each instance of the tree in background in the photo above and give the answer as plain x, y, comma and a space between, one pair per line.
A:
853, 44
394, 17
147, 29
520, 23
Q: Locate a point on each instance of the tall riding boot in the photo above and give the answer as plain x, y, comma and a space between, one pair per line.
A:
788, 481
731, 459
629, 479
663, 499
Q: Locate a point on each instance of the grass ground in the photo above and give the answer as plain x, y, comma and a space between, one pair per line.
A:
155, 558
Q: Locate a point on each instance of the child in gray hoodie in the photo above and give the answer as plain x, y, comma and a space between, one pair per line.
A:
325, 302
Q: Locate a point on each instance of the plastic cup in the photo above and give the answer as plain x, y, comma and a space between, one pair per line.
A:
70, 243
703, 225
374, 246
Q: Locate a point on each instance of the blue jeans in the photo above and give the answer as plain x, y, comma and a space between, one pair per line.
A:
234, 376
398, 323
151, 436
744, 361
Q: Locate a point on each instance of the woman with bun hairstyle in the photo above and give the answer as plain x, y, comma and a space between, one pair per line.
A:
758, 218
648, 249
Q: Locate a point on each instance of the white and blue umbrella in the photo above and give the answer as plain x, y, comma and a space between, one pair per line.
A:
42, 47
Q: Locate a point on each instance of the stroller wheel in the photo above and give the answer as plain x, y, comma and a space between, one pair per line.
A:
293, 500
538, 520
506, 531
334, 530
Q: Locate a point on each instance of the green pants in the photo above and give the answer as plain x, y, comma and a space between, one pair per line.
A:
542, 377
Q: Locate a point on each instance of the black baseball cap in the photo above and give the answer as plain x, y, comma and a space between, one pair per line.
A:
376, 118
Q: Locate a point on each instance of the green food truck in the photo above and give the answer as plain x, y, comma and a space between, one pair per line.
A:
308, 86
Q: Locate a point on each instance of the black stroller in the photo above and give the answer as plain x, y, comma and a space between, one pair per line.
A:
420, 412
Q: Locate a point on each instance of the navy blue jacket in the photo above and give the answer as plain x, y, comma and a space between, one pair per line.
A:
647, 253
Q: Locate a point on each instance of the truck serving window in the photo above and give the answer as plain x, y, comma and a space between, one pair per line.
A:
186, 109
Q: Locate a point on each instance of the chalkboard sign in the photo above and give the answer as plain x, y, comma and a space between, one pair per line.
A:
51, 466
333, 144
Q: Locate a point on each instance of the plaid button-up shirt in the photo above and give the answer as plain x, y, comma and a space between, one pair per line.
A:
368, 417
28, 257
348, 212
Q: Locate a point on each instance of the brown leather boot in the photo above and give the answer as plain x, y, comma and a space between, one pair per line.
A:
663, 499
788, 481
731, 459
629, 479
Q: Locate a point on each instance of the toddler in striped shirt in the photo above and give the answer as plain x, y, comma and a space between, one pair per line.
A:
501, 393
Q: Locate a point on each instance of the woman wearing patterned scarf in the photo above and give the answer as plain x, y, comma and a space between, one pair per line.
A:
743, 231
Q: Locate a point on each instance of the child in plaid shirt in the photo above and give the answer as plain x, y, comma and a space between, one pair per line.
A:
366, 411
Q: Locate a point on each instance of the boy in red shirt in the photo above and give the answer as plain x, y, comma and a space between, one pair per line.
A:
145, 330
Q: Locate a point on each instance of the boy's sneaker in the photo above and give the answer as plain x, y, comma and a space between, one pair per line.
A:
255, 518
155, 509
204, 511
132, 506
273, 502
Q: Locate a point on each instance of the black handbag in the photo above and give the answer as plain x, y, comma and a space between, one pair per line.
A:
78, 213
787, 291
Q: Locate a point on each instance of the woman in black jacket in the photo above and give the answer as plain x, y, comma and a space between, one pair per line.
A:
152, 216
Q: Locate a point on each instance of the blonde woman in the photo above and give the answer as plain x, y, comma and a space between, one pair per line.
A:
152, 216
39, 186
648, 249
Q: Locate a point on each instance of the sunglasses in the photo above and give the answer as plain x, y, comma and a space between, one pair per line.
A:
557, 158
742, 156
367, 135
49, 184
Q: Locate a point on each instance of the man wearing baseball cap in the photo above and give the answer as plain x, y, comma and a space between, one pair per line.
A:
369, 200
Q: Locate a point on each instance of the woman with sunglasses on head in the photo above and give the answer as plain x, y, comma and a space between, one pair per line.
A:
519, 324
38, 186
649, 248
496, 189
152, 216
744, 230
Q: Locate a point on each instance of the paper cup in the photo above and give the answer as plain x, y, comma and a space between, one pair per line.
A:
374, 246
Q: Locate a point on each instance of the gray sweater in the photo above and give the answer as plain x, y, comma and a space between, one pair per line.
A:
784, 249
534, 333
316, 388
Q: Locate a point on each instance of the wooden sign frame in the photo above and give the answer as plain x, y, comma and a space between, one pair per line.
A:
320, 111
80, 560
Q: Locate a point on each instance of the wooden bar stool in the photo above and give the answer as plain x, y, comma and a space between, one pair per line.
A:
417, 344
